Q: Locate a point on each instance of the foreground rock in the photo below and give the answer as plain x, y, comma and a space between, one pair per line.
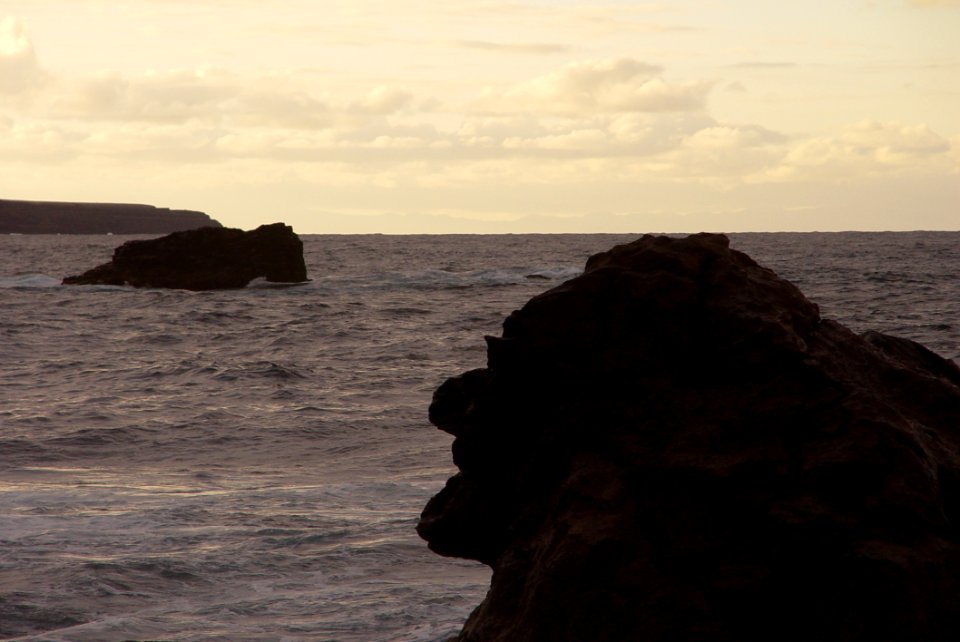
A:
208, 258
47, 217
675, 446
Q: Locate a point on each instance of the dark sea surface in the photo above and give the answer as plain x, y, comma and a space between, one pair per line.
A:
250, 464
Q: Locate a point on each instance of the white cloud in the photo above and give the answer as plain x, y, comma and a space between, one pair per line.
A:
727, 137
868, 149
382, 100
538, 48
895, 138
600, 86
19, 69
590, 141
37, 143
211, 96
177, 96
935, 3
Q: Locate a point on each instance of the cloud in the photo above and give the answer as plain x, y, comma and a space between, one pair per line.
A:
213, 95
601, 109
895, 138
592, 141
600, 86
720, 137
521, 48
382, 100
37, 143
19, 69
867, 149
172, 96
599, 136
934, 3
762, 65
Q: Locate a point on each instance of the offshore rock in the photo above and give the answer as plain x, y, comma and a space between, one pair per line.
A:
48, 217
208, 258
676, 446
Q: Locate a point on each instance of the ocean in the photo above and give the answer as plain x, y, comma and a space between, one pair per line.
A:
250, 464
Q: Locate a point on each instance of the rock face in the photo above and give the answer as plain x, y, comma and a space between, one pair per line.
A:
676, 446
43, 217
208, 258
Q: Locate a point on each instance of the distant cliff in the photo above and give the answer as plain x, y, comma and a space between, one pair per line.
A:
39, 217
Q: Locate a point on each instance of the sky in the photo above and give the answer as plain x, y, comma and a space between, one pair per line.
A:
490, 116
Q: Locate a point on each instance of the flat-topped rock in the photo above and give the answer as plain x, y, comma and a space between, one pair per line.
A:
676, 446
48, 217
208, 258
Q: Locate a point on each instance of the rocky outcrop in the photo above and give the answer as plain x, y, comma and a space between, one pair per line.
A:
208, 258
43, 217
676, 446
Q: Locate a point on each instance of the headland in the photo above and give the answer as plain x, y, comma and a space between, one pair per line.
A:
50, 217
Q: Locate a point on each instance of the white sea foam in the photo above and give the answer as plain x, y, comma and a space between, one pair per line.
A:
29, 281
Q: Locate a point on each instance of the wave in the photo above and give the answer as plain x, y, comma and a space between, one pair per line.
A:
267, 369
262, 283
417, 279
433, 278
84, 438
29, 282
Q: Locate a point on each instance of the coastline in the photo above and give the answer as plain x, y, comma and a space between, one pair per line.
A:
52, 217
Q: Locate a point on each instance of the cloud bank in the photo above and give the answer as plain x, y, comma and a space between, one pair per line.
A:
572, 139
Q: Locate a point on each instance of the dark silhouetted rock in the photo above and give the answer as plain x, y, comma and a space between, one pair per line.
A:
208, 258
674, 446
42, 217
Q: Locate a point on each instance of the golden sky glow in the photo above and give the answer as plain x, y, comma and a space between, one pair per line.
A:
490, 116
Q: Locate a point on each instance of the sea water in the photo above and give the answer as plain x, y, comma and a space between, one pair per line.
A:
250, 464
